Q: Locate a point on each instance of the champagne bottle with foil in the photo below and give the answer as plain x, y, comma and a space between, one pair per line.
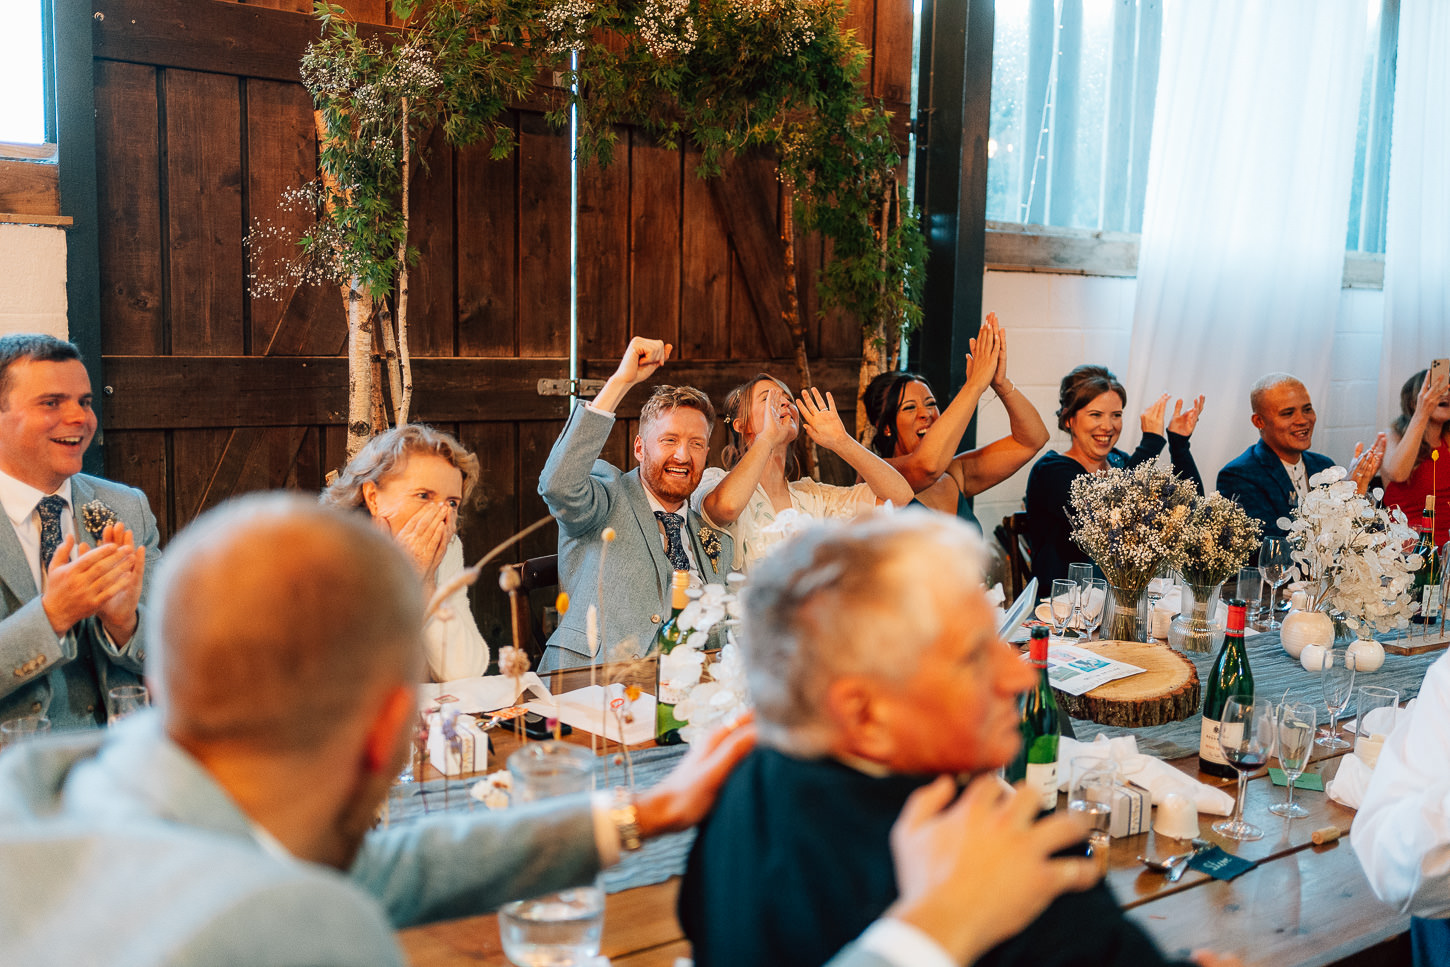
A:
1041, 724
1231, 675
1427, 578
667, 696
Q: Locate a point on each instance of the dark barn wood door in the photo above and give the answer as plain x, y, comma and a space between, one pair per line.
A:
212, 391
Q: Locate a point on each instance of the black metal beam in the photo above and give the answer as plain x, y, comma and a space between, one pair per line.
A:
951, 185
75, 103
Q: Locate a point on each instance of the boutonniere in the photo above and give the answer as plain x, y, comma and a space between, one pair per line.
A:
96, 515
710, 541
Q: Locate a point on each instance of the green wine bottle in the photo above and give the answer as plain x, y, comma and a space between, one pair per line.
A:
1427, 578
1041, 725
667, 727
1231, 675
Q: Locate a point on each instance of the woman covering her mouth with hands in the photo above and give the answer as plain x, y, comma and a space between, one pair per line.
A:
412, 480
1091, 409
751, 493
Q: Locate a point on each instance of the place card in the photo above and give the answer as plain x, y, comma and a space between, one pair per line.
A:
1308, 780
1220, 865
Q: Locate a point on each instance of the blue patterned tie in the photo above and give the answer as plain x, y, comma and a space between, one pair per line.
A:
49, 510
675, 548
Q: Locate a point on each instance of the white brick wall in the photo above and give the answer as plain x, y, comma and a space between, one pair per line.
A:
1056, 322
32, 280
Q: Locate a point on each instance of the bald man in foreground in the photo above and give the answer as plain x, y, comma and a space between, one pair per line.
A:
232, 824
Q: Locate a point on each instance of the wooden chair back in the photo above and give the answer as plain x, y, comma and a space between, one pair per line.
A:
535, 574
1012, 535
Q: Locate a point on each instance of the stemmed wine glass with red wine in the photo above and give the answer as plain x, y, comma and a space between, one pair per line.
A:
1246, 735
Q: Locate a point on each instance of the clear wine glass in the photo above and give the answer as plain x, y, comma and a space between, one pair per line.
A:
1062, 603
1295, 741
1277, 567
1082, 574
1091, 794
1336, 681
1094, 599
1246, 736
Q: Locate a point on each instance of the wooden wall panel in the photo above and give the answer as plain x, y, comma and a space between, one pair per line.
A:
139, 458
535, 440
204, 211
487, 253
282, 156
432, 299
492, 518
704, 270
195, 455
604, 260
128, 198
543, 239
655, 242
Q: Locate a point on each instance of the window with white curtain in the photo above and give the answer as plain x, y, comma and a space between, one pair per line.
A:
1073, 86
25, 114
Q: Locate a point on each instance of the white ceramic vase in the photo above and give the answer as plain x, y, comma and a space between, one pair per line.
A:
1366, 653
1313, 657
1302, 628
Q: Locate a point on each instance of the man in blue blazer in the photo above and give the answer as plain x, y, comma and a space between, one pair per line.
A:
1272, 476
77, 552
648, 510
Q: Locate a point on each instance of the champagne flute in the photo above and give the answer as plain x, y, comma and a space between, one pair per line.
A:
1296, 741
1062, 604
1274, 564
1094, 597
1336, 681
1082, 574
1246, 736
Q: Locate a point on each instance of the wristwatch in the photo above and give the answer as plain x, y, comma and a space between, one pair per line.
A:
625, 817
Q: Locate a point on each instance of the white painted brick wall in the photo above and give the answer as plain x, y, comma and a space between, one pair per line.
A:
32, 280
1056, 322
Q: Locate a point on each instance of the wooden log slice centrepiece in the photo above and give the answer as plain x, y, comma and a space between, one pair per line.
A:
1166, 691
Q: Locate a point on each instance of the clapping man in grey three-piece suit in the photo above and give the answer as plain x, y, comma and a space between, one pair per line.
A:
77, 552
648, 509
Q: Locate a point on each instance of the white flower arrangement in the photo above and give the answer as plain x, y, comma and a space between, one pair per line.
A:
494, 790
1130, 521
703, 705
1218, 537
1354, 551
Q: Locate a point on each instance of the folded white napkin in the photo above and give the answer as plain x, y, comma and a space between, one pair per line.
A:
1153, 774
585, 708
482, 694
1352, 780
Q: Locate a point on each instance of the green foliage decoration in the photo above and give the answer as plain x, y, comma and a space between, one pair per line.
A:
723, 76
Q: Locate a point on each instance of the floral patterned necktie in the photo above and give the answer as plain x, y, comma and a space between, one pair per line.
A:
49, 510
675, 547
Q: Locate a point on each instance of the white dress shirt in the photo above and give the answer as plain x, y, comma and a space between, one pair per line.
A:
1402, 831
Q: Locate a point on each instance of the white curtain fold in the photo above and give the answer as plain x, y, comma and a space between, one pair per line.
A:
1242, 252
1417, 230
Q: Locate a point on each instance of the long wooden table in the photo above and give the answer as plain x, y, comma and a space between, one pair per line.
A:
1302, 906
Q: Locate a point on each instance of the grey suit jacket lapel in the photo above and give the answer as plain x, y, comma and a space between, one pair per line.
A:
14, 569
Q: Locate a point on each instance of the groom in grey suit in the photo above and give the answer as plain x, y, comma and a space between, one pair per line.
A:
77, 551
648, 510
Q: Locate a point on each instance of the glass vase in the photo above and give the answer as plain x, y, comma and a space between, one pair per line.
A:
1126, 617
1200, 624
